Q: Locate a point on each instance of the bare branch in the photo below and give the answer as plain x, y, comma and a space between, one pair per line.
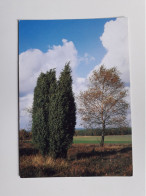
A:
103, 104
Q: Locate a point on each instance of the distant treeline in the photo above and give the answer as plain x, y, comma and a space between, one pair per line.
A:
25, 135
109, 131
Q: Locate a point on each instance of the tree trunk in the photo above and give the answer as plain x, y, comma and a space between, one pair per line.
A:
102, 139
102, 135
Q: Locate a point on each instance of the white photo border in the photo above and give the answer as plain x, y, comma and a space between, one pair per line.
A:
11, 12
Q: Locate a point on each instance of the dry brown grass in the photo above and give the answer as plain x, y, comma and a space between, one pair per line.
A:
82, 160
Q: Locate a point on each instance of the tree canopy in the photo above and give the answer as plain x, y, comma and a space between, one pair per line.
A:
40, 110
62, 115
54, 113
104, 104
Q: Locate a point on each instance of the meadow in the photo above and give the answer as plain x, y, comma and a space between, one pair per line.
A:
110, 139
84, 158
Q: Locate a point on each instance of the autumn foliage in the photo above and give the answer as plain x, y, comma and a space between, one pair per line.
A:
103, 104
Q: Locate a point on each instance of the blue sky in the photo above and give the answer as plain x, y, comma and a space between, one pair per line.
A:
87, 43
41, 34
85, 34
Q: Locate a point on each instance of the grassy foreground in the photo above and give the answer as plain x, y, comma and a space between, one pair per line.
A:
82, 160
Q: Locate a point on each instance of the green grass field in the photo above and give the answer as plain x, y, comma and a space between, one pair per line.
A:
110, 139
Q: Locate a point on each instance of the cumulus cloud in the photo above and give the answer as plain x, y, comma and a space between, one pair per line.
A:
79, 84
87, 58
115, 41
25, 117
128, 99
32, 62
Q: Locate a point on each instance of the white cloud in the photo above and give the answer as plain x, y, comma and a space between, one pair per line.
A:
128, 99
25, 102
87, 58
32, 62
115, 40
79, 84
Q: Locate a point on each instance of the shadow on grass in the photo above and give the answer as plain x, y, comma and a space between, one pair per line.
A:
81, 155
31, 171
28, 151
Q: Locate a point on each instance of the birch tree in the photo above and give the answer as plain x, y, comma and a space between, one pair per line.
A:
103, 104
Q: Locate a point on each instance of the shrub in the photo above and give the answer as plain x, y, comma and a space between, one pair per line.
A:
24, 135
62, 117
40, 111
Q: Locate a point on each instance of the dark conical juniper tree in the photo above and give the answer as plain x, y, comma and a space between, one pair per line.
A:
62, 116
40, 110
54, 138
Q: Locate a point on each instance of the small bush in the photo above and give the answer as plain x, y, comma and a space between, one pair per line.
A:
24, 135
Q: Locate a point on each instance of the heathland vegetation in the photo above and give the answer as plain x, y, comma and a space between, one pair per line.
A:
83, 159
54, 148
